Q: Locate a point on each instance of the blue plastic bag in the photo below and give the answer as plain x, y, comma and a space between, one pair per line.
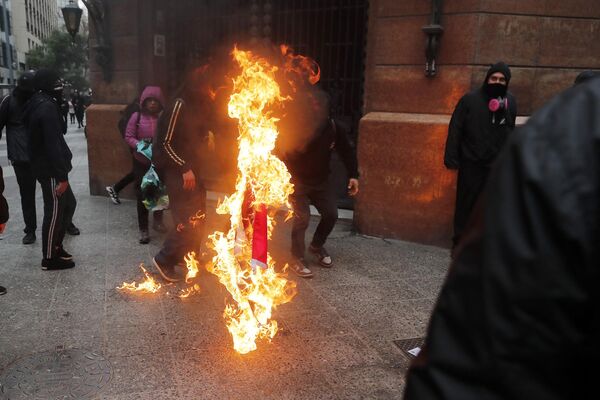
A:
154, 192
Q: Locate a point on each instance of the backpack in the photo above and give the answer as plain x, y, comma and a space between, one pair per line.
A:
126, 114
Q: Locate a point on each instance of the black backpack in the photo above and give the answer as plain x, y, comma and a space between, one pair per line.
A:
126, 114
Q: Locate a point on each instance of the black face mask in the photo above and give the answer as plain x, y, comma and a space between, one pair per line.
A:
495, 90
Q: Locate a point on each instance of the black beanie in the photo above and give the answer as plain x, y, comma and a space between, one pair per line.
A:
498, 67
47, 80
25, 81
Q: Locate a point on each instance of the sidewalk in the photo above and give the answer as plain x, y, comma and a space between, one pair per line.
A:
338, 333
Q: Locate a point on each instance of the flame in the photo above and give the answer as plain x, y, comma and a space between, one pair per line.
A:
265, 180
149, 285
300, 65
191, 264
189, 291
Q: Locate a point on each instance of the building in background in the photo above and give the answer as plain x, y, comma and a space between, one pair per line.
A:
7, 40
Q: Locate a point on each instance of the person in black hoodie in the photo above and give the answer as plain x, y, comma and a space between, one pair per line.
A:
3, 215
309, 168
518, 316
50, 158
11, 117
181, 134
479, 127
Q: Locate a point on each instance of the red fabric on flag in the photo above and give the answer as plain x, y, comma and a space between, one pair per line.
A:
259, 237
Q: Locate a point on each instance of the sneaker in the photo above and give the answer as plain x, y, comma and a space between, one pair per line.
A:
2, 290
167, 271
144, 236
56, 263
29, 238
159, 227
114, 196
298, 266
62, 254
322, 256
73, 230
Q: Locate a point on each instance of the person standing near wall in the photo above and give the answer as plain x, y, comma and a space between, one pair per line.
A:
479, 127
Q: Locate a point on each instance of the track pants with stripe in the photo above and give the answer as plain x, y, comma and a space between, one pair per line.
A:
58, 213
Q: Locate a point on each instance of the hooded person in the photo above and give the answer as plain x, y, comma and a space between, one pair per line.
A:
518, 316
11, 118
50, 159
584, 77
480, 124
139, 134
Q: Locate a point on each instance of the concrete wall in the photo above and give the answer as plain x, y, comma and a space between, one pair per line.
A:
406, 192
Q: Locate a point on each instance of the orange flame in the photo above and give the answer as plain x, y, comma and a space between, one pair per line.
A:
148, 286
301, 65
255, 291
189, 291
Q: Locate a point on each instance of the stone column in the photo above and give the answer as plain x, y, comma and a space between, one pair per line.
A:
406, 192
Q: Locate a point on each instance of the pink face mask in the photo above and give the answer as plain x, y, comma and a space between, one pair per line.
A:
497, 104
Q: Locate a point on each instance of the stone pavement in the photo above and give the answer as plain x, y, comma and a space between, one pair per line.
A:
72, 334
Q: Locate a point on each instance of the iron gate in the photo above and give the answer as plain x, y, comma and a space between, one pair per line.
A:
332, 32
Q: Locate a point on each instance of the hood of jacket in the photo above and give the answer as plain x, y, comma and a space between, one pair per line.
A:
152, 92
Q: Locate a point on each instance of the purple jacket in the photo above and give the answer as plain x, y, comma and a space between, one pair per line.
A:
147, 125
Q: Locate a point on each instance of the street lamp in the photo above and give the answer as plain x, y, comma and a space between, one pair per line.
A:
98, 12
72, 16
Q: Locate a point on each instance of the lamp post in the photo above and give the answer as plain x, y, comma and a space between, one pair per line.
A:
98, 12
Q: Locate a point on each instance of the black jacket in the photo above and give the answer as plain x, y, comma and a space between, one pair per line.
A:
180, 140
519, 314
311, 165
11, 117
48, 151
476, 134
3, 203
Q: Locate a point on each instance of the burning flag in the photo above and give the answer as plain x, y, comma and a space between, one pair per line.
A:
263, 182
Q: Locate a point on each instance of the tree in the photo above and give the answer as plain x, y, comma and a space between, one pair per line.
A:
69, 57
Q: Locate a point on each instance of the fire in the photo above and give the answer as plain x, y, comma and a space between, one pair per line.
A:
263, 183
300, 65
189, 291
149, 285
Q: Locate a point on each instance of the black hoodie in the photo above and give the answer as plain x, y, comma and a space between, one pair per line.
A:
48, 151
476, 134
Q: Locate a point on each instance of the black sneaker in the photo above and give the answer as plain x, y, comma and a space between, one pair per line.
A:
56, 263
167, 271
322, 256
62, 254
144, 237
29, 238
73, 230
114, 196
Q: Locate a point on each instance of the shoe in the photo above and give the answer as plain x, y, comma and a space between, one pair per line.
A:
2, 290
73, 230
322, 256
144, 237
62, 254
159, 227
29, 238
114, 196
56, 263
298, 266
167, 271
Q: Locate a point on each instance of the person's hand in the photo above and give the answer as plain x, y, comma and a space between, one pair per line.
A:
189, 180
2, 226
352, 186
62, 186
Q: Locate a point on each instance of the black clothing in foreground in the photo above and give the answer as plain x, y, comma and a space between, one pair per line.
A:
11, 118
27, 185
475, 137
519, 314
3, 203
48, 151
311, 165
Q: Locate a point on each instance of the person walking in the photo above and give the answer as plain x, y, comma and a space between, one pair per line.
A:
11, 118
140, 131
479, 127
310, 175
71, 112
79, 107
50, 159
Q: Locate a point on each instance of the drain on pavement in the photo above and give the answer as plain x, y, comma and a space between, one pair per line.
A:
410, 347
64, 374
